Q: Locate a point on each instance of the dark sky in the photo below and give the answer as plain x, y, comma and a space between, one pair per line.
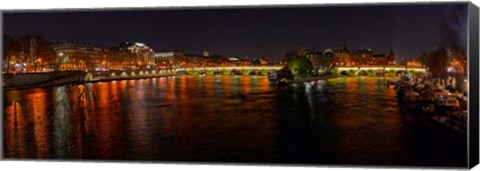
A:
261, 32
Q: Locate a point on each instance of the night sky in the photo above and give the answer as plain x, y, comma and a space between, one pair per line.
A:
261, 32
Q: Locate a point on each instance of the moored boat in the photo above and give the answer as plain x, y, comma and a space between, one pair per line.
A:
458, 120
445, 102
433, 102
403, 84
273, 78
409, 97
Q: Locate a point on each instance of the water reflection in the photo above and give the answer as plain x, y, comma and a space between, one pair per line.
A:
61, 123
13, 122
40, 121
223, 118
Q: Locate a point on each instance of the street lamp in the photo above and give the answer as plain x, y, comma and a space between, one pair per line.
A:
39, 60
59, 64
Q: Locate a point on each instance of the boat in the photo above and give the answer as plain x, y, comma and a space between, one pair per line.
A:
403, 84
425, 102
392, 82
407, 81
458, 120
273, 78
410, 98
445, 102
455, 123
439, 105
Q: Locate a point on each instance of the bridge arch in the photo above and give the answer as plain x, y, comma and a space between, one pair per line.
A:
235, 72
361, 73
254, 72
411, 72
269, 72
380, 73
351, 72
347, 73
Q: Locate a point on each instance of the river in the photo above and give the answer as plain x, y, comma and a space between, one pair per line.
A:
346, 120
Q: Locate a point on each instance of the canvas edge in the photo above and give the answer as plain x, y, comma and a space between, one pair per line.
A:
1, 87
473, 63
473, 68
237, 6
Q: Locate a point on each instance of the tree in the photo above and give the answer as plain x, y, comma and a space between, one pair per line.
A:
34, 51
454, 36
438, 62
327, 61
423, 59
10, 49
453, 28
299, 65
286, 73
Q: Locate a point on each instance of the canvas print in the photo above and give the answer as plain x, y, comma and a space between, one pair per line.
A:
356, 85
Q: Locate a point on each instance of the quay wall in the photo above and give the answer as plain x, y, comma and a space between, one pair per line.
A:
29, 80
20, 80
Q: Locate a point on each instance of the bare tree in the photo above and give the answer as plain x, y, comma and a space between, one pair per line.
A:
438, 62
454, 33
10, 49
33, 50
454, 39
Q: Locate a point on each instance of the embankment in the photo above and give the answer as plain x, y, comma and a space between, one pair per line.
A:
28, 80
31, 80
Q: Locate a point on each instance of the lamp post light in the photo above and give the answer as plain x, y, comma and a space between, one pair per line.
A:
39, 60
59, 61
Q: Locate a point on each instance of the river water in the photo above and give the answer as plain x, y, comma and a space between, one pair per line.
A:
347, 120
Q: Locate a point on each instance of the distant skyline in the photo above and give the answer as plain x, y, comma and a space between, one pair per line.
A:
267, 32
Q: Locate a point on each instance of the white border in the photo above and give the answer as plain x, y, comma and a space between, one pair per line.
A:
9, 5
76, 4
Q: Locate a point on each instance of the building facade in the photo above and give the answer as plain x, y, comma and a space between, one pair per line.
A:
73, 55
144, 55
168, 59
360, 57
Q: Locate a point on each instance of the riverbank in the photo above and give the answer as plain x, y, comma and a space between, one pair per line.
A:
45, 79
34, 80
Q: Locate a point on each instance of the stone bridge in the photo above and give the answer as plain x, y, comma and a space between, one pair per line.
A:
128, 74
133, 74
246, 70
230, 70
378, 70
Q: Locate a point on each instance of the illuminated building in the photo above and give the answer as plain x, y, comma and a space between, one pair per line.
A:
168, 59
383, 59
73, 55
263, 61
218, 60
391, 57
143, 53
239, 62
205, 53
360, 57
